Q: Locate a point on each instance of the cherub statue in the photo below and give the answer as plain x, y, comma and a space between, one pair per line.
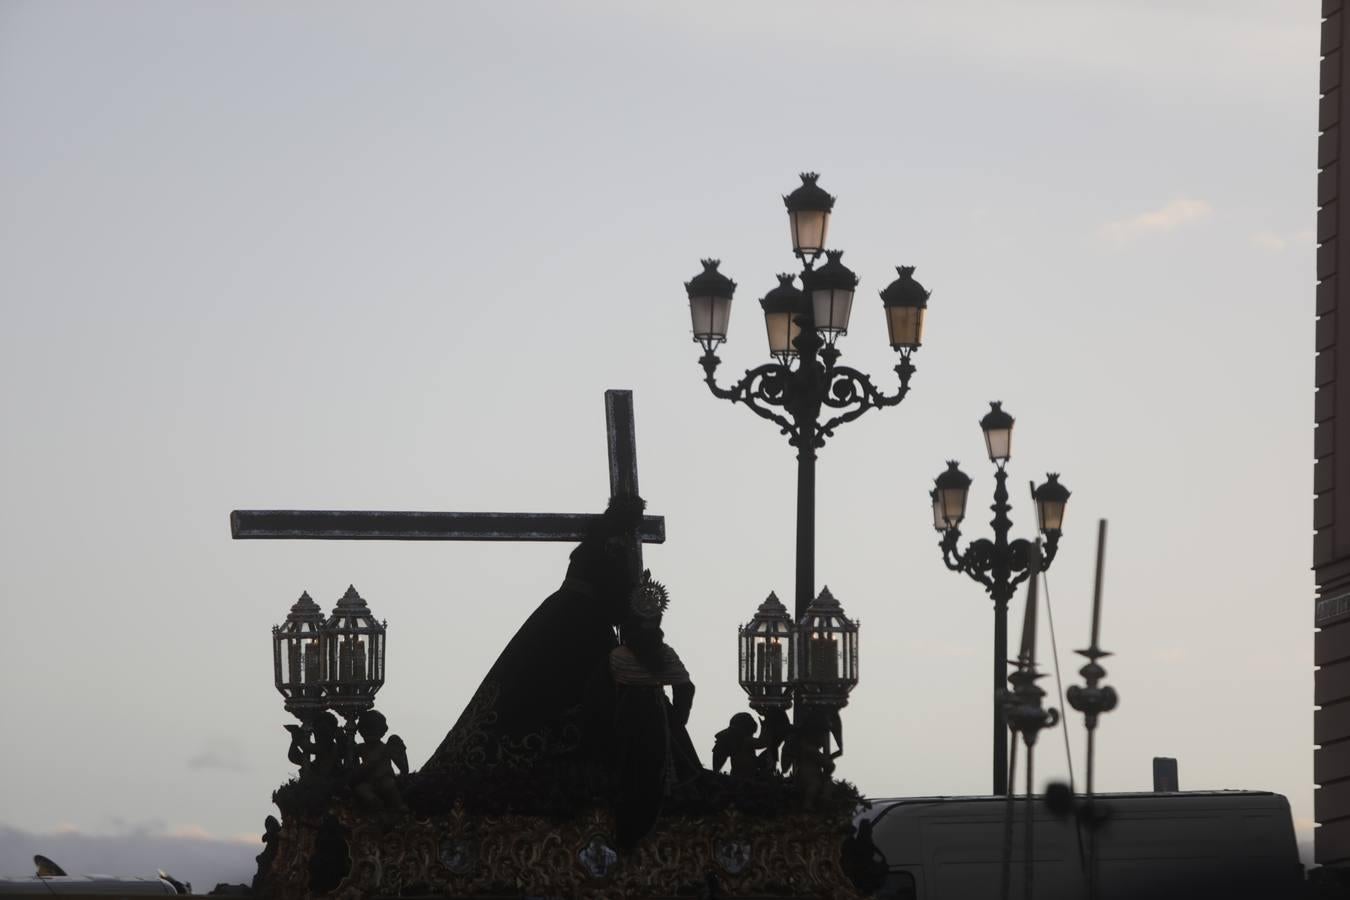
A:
808, 755
373, 779
736, 743
774, 730
318, 746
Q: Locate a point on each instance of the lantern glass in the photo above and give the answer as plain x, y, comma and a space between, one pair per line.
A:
905, 324
783, 330
1051, 514
997, 426
770, 660
831, 308
939, 517
952, 504
809, 230
1051, 499
998, 441
710, 316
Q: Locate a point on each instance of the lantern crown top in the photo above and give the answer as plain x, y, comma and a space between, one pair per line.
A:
710, 282
305, 616
905, 291
996, 418
772, 606
824, 602
304, 607
1052, 490
952, 477
785, 298
352, 601
834, 274
809, 196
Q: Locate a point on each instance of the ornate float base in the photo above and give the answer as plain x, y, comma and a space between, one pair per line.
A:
462, 855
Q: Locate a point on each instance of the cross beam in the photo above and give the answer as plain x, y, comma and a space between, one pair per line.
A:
341, 525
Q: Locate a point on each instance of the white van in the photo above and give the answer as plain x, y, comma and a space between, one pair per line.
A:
84, 886
1159, 846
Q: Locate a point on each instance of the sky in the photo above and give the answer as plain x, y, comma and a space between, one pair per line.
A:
353, 256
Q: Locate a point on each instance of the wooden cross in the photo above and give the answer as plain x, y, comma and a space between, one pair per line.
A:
343, 525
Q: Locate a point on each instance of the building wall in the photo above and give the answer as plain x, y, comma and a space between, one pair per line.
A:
1331, 451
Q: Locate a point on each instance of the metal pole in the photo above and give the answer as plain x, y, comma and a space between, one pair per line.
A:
1000, 685
1008, 810
806, 526
1030, 862
1092, 827
1002, 593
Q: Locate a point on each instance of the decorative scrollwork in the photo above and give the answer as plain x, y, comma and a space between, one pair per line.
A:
800, 392
464, 855
760, 389
998, 567
853, 392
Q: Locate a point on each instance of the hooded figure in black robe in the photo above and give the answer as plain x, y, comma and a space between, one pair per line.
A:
527, 712
565, 698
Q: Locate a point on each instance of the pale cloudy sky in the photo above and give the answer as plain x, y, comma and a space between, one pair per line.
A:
337, 255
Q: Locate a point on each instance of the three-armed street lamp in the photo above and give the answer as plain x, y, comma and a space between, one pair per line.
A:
805, 380
1000, 565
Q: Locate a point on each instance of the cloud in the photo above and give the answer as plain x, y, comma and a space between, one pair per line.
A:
1174, 215
1171, 653
1278, 243
187, 852
191, 833
222, 754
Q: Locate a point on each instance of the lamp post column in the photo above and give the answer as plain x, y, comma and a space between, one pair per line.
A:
808, 385
1002, 593
806, 530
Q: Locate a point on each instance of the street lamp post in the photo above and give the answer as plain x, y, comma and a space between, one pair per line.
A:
805, 391
999, 565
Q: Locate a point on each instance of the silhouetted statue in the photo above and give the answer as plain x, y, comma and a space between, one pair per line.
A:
318, 746
373, 778
270, 838
736, 743
807, 754
527, 710
774, 730
650, 748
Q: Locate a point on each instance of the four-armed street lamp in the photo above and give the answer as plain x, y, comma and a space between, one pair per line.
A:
1000, 565
806, 381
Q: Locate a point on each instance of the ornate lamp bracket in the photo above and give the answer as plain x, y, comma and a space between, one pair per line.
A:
800, 392
761, 389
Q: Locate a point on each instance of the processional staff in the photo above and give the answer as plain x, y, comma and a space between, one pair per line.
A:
1093, 700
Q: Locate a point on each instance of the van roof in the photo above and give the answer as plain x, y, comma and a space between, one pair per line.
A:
1142, 801
994, 798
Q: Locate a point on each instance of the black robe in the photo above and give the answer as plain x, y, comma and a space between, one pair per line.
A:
528, 709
